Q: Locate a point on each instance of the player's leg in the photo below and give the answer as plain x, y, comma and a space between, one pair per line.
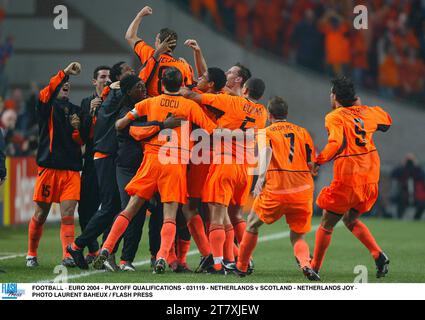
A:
89, 204
324, 237
35, 231
110, 204
133, 234
156, 220
183, 241
249, 242
238, 222
67, 231
362, 232
168, 235
217, 236
196, 226
119, 226
228, 253
302, 255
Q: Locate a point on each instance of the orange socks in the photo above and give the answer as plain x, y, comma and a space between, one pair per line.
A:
168, 234
361, 232
217, 239
302, 253
182, 250
172, 256
35, 231
118, 228
67, 234
197, 230
323, 240
229, 243
249, 242
240, 228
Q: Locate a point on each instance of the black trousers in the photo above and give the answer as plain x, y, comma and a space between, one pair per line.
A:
89, 200
133, 234
110, 203
155, 224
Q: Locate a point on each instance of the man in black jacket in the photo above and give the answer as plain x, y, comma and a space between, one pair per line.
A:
90, 199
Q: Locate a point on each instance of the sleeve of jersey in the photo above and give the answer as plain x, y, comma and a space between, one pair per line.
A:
335, 140
214, 100
383, 119
143, 51
146, 131
47, 93
198, 117
189, 76
140, 110
310, 149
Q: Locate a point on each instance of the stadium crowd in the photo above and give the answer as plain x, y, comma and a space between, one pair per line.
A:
388, 57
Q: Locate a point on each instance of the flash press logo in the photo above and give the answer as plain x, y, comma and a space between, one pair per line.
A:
10, 291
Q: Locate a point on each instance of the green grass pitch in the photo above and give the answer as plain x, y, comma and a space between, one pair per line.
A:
404, 242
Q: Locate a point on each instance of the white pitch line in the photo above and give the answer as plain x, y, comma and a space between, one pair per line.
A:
18, 255
271, 237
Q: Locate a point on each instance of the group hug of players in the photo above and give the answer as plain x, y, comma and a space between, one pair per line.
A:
122, 130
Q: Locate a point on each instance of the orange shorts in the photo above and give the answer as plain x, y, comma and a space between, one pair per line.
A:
167, 179
270, 208
227, 184
196, 177
53, 185
339, 198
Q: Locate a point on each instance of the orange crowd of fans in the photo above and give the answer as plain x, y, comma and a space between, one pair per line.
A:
319, 34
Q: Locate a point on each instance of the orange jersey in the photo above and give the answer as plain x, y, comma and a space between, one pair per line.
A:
351, 145
152, 70
288, 174
234, 113
158, 108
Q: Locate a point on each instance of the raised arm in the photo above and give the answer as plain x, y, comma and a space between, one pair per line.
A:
200, 63
51, 90
131, 34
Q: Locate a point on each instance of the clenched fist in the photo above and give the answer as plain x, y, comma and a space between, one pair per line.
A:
73, 69
146, 11
75, 121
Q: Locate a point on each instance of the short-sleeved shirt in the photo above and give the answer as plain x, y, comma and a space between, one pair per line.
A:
288, 174
234, 113
351, 145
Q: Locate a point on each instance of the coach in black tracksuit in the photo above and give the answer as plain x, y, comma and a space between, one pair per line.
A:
105, 152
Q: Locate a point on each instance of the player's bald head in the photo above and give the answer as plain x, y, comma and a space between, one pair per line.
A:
278, 108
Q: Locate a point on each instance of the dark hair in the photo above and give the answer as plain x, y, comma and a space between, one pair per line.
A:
217, 76
256, 88
128, 82
172, 79
165, 33
278, 108
116, 71
244, 72
99, 68
343, 89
